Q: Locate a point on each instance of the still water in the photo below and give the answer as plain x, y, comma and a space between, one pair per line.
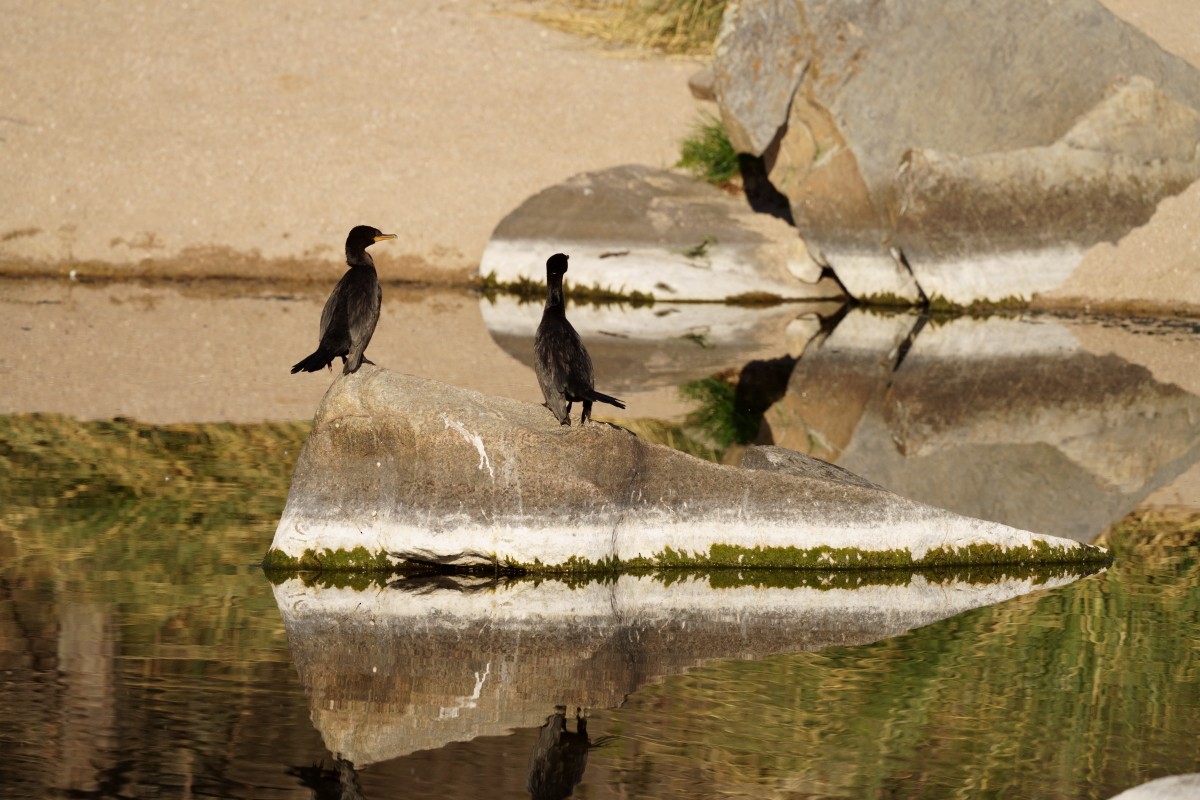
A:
144, 654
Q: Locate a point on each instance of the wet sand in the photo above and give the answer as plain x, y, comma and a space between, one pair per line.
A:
163, 354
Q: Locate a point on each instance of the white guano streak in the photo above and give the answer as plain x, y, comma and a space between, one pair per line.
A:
473, 439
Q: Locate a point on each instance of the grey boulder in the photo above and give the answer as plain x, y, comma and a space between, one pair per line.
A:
636, 229
398, 468
962, 150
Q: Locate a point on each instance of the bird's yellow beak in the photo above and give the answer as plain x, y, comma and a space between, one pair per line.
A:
383, 236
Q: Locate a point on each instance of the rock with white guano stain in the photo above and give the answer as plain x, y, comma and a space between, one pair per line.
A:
401, 468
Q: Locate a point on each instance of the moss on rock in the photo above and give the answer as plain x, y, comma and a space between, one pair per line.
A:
721, 557
357, 560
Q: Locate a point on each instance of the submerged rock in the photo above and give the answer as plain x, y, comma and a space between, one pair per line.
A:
924, 151
400, 468
635, 229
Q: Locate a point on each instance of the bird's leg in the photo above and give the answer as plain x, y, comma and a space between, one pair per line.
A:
587, 412
566, 420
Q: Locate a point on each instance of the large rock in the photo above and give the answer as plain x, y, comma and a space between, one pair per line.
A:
638, 229
927, 150
423, 662
402, 468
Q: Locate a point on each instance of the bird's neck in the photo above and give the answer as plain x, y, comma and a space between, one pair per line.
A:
554, 291
360, 259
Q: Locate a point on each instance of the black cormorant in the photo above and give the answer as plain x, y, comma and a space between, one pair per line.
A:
562, 363
350, 313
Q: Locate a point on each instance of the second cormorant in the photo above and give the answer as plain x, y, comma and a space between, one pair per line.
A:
562, 363
352, 310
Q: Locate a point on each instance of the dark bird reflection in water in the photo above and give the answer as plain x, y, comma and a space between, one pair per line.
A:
563, 366
559, 757
339, 783
352, 310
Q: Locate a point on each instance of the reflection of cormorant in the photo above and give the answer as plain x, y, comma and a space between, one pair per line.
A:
559, 757
350, 313
562, 364
340, 783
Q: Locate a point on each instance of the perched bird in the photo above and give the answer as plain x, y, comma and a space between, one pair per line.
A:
352, 310
562, 364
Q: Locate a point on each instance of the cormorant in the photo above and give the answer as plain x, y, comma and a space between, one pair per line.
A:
352, 310
562, 363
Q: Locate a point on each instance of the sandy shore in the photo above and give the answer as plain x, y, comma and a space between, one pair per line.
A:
224, 137
231, 139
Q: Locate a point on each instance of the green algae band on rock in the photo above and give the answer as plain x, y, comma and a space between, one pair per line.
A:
398, 468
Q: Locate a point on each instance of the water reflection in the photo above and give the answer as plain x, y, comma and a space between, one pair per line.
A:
1008, 419
639, 348
339, 783
559, 757
428, 661
141, 655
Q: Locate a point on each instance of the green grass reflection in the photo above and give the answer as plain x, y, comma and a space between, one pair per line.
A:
1079, 692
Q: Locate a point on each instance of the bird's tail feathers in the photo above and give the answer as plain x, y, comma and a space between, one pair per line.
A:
597, 397
314, 363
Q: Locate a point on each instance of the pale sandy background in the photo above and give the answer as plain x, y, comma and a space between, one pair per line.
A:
181, 131
231, 138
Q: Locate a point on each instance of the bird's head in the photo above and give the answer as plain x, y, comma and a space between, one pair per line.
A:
363, 236
556, 265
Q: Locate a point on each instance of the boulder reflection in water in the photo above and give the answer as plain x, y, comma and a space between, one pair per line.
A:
415, 665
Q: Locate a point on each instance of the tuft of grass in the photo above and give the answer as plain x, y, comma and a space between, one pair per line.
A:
754, 299
527, 290
721, 416
707, 153
700, 249
675, 27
